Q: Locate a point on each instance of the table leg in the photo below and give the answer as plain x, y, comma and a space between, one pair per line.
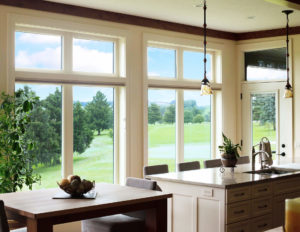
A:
157, 218
38, 225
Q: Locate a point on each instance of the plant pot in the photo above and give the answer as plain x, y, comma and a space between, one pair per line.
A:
228, 160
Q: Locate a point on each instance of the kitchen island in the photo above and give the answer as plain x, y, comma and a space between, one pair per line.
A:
207, 200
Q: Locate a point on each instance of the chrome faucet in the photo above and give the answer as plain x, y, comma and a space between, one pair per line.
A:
264, 163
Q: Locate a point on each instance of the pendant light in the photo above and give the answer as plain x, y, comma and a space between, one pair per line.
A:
288, 93
205, 85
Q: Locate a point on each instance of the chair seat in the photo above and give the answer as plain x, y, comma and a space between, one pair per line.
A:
114, 223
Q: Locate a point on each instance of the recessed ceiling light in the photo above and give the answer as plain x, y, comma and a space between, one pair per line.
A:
251, 17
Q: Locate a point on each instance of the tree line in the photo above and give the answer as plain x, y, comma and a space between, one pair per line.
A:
264, 109
45, 128
167, 114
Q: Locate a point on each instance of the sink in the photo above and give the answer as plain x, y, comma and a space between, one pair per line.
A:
271, 171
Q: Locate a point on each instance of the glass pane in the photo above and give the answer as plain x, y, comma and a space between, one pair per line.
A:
264, 118
93, 133
161, 62
93, 56
197, 126
266, 65
193, 66
45, 131
161, 127
37, 51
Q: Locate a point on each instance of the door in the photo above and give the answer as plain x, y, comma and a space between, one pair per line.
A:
265, 113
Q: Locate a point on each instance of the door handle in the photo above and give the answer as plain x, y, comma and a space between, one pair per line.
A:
282, 154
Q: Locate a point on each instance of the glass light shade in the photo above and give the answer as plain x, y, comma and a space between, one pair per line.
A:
288, 93
206, 90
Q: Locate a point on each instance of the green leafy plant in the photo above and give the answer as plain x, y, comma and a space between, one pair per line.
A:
15, 158
229, 148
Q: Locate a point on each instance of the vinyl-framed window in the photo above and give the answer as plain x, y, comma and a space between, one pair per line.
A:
68, 79
181, 86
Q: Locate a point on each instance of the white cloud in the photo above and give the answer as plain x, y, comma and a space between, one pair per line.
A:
49, 58
38, 38
91, 60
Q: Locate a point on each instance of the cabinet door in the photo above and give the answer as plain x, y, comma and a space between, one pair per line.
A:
279, 208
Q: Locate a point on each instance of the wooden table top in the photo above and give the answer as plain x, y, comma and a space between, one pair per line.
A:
39, 203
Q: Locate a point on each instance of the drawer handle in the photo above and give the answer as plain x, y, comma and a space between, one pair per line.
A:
262, 206
239, 212
262, 225
262, 190
239, 194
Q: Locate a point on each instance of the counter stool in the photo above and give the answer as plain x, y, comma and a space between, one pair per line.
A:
187, 166
213, 163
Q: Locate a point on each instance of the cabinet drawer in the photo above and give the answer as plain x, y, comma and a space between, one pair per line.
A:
239, 227
261, 190
261, 223
238, 194
238, 212
286, 186
261, 206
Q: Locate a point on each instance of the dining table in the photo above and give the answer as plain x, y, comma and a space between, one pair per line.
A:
39, 211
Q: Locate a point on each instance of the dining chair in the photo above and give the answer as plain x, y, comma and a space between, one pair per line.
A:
156, 169
187, 166
132, 221
243, 160
213, 163
3, 221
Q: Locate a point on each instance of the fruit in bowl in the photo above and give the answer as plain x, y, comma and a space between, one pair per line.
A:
76, 187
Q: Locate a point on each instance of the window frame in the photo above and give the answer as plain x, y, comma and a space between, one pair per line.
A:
67, 79
180, 85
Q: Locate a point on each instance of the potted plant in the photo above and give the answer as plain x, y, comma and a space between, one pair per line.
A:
229, 151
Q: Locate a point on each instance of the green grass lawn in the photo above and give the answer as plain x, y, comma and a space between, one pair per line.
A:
96, 163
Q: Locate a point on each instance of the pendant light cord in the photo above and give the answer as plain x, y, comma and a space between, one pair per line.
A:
287, 50
205, 41
288, 85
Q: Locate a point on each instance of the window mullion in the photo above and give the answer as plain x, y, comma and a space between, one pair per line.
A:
67, 52
67, 130
179, 63
179, 126
116, 134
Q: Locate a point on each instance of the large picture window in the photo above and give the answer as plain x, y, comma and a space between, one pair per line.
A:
75, 125
180, 121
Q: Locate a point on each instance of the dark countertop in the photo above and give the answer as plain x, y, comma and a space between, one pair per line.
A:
212, 177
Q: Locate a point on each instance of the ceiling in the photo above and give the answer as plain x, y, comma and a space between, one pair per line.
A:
226, 15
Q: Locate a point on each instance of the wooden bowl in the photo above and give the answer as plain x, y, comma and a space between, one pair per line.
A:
77, 189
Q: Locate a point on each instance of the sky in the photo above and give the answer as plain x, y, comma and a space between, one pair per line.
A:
37, 51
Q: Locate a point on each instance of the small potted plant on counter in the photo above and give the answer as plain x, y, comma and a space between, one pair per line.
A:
230, 152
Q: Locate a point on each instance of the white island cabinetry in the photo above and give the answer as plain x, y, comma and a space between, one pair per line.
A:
208, 201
